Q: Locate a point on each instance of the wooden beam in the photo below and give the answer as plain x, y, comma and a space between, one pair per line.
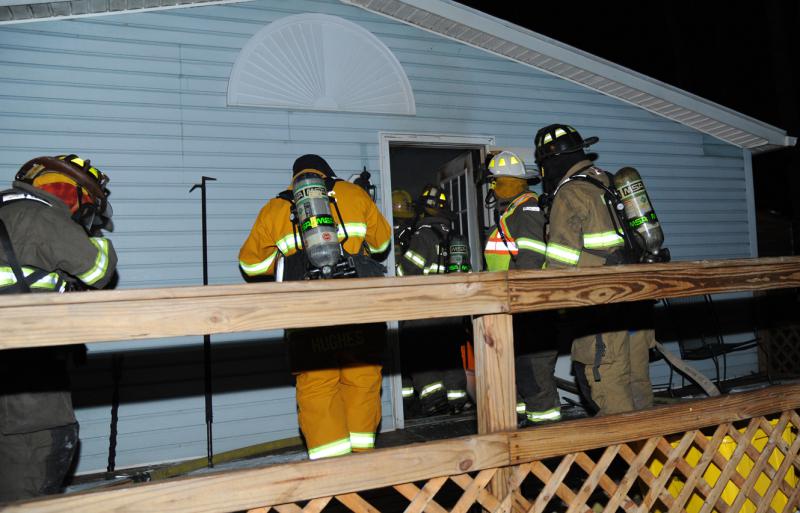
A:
582, 435
31, 320
545, 290
495, 383
235, 490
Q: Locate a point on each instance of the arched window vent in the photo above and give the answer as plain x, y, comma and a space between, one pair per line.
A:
319, 62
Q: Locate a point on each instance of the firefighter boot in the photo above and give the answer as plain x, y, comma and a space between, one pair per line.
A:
536, 382
522, 420
455, 381
411, 406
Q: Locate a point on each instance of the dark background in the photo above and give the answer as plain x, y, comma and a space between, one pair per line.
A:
742, 55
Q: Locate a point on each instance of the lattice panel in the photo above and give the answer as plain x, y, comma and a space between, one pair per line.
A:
783, 350
751, 466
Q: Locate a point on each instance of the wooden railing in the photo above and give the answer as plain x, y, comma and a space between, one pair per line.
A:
500, 469
605, 460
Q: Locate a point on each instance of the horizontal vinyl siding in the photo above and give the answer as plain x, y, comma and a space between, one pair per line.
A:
144, 96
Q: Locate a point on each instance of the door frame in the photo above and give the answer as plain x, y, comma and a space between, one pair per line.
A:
423, 140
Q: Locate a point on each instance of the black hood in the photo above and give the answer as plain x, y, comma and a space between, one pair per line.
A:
312, 161
557, 166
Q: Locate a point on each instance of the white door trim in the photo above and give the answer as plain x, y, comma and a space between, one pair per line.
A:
417, 139
427, 141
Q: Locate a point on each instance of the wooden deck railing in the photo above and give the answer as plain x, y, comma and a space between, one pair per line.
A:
603, 460
500, 469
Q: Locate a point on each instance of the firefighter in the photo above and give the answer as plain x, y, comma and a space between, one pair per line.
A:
437, 373
404, 214
427, 247
50, 228
517, 242
582, 233
337, 369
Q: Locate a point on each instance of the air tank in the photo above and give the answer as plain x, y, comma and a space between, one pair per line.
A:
458, 255
639, 211
315, 221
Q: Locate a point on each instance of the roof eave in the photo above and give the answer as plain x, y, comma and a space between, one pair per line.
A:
16, 11
480, 30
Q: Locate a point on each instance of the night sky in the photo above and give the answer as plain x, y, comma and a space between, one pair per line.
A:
744, 56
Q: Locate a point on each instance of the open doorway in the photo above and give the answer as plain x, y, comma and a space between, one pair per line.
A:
410, 162
455, 170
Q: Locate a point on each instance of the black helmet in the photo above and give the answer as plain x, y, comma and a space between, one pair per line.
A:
433, 199
555, 140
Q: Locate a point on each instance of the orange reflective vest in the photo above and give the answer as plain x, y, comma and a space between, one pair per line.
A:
521, 244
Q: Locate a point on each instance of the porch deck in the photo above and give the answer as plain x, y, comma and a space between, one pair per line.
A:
704, 447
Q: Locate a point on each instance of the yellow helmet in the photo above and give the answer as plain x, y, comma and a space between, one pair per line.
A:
402, 204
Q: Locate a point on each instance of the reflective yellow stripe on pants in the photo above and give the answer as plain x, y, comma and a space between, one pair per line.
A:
338, 409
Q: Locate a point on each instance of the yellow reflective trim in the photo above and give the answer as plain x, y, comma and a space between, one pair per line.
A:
260, 267
49, 281
563, 254
337, 448
82, 163
98, 270
362, 440
541, 416
353, 229
532, 244
287, 243
602, 240
428, 390
379, 249
414, 258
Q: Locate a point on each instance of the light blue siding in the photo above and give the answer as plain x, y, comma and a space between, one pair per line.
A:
144, 96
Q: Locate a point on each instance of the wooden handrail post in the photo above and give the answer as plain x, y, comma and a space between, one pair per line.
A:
496, 384
494, 373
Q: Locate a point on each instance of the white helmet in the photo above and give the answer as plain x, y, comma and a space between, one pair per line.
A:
507, 163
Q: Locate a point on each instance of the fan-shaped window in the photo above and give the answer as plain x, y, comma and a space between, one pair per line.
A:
319, 62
